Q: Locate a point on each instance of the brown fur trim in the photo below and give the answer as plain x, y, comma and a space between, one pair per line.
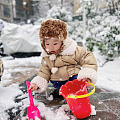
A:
53, 28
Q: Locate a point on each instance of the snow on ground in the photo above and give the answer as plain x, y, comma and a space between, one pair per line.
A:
108, 72
20, 38
12, 65
7, 95
109, 75
108, 78
59, 114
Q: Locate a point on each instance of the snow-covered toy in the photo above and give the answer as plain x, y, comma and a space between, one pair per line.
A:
76, 96
32, 111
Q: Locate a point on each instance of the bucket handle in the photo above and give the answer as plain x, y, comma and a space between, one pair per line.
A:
85, 95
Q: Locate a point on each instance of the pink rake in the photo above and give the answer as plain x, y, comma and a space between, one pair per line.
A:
32, 111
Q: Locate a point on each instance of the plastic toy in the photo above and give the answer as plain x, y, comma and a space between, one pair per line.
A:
32, 111
76, 96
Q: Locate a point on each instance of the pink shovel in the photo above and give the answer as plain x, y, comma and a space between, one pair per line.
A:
32, 111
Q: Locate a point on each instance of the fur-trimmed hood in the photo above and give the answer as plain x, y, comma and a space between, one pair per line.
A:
72, 60
69, 47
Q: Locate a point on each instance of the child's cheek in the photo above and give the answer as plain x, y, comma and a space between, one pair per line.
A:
47, 50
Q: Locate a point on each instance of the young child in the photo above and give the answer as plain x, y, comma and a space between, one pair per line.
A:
62, 59
1, 69
1, 63
1, 27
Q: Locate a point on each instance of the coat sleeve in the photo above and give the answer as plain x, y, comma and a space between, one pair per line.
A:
88, 64
44, 70
1, 68
86, 58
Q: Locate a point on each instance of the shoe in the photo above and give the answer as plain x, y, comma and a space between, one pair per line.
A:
56, 95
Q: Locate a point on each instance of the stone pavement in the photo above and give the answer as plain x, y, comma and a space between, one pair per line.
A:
107, 103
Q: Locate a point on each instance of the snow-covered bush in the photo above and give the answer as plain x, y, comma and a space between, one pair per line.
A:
105, 34
113, 5
102, 31
75, 30
89, 8
59, 13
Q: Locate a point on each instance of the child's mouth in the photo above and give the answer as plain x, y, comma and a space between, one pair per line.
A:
52, 52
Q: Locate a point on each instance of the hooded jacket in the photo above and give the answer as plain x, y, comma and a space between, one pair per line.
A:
72, 60
1, 67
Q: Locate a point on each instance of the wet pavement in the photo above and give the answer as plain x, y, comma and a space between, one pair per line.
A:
107, 103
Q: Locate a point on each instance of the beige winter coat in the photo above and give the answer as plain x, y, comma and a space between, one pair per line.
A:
71, 61
1, 68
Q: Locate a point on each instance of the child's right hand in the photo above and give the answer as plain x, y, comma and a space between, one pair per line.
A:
33, 87
39, 84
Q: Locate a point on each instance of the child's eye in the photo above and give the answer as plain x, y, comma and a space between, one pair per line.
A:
47, 44
55, 43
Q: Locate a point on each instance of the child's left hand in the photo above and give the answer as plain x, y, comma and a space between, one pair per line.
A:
87, 79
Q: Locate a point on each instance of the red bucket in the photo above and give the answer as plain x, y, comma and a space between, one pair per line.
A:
76, 96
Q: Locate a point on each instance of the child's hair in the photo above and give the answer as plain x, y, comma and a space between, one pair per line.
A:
53, 28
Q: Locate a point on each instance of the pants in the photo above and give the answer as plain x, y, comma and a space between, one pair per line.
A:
58, 84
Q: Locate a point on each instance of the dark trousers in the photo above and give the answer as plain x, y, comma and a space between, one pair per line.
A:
58, 84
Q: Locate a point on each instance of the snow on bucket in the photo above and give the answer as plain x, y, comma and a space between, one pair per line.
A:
76, 96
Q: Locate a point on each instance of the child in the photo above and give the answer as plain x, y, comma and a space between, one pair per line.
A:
62, 59
1, 69
1, 27
1, 63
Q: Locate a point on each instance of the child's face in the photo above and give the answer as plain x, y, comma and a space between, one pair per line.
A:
52, 45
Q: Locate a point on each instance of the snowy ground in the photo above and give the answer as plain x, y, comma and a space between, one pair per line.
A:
20, 69
109, 75
108, 78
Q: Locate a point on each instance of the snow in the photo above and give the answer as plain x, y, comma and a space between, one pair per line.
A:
7, 95
108, 72
50, 98
109, 75
108, 78
20, 38
59, 114
93, 110
18, 65
57, 12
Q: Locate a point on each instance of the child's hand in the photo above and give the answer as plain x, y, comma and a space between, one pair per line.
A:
39, 84
86, 79
33, 87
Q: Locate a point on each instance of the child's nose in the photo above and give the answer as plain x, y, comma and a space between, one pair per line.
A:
51, 48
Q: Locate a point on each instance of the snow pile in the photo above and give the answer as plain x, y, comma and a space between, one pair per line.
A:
59, 114
18, 65
93, 110
20, 38
109, 75
10, 62
7, 95
36, 118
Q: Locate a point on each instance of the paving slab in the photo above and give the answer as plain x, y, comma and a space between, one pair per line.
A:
107, 106
106, 102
